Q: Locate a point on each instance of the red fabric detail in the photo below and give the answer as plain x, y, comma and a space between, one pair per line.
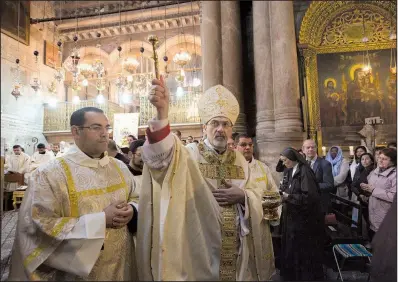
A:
156, 136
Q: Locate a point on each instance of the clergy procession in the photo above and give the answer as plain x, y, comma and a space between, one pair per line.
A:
198, 141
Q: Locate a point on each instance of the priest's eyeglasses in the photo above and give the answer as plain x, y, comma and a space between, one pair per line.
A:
217, 123
98, 128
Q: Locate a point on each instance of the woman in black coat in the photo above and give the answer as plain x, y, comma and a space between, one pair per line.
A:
302, 221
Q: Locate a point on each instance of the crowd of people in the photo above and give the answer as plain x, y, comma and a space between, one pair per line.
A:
196, 211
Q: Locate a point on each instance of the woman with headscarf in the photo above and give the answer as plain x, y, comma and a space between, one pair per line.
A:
340, 169
302, 221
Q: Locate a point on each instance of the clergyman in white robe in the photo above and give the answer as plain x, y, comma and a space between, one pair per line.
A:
37, 159
61, 232
167, 159
16, 163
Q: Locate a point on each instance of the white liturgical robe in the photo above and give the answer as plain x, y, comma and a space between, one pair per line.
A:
16, 163
182, 188
262, 175
37, 159
61, 232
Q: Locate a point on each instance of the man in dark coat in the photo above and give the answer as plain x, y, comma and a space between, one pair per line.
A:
323, 173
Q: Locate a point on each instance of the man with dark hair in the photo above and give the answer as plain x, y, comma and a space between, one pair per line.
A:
78, 117
17, 162
136, 162
114, 152
55, 149
42, 156
261, 174
231, 143
131, 139
189, 139
73, 222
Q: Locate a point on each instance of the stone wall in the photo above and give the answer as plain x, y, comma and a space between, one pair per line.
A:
22, 119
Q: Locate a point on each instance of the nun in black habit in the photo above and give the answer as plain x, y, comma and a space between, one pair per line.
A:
302, 221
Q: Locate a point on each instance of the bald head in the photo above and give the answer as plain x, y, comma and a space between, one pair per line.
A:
309, 148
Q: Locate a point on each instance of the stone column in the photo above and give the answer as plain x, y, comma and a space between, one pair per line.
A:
210, 32
285, 69
232, 56
263, 69
276, 77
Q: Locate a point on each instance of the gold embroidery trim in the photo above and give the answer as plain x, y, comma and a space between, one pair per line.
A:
264, 178
222, 171
74, 210
229, 245
119, 171
74, 195
54, 233
220, 166
228, 157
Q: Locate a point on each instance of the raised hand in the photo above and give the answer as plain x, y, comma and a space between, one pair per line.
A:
159, 97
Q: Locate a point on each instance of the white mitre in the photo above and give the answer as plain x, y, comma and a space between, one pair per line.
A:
218, 101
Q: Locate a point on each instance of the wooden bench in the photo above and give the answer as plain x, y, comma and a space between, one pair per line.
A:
13, 178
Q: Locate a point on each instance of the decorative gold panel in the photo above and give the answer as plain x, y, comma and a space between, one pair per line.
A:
182, 109
335, 27
347, 28
58, 118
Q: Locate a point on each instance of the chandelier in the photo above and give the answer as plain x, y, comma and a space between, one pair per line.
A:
59, 74
182, 58
98, 67
180, 77
86, 70
121, 82
100, 85
75, 61
75, 85
16, 92
52, 88
35, 81
130, 65
17, 79
35, 84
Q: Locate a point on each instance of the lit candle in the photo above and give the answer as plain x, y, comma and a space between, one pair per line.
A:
324, 150
351, 150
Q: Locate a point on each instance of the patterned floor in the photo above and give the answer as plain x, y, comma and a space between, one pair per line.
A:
8, 227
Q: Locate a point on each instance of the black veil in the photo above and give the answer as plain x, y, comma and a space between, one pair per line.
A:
293, 155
